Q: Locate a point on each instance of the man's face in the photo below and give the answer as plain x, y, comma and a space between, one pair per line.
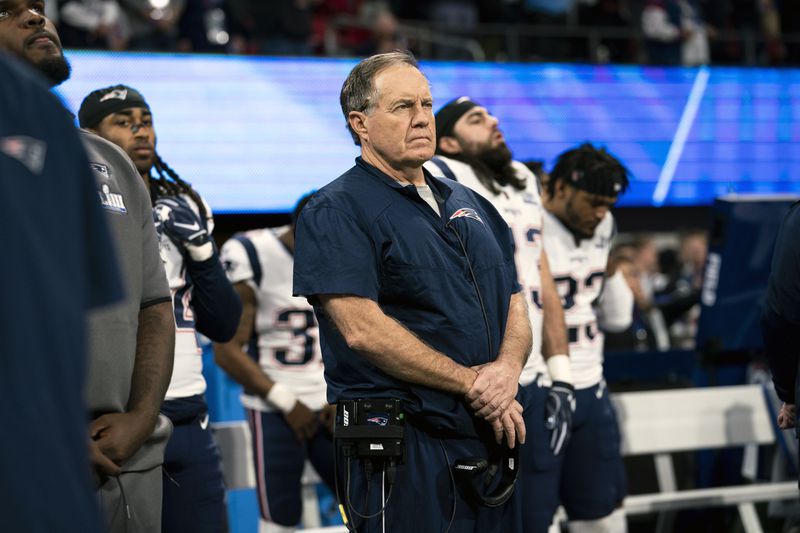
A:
694, 250
400, 128
477, 132
580, 210
26, 33
132, 130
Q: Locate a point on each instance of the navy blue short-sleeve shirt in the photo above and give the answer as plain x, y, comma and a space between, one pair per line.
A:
367, 235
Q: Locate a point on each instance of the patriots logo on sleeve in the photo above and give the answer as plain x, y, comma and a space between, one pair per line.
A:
466, 212
100, 169
27, 150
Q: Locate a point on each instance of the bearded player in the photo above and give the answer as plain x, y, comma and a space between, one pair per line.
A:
471, 149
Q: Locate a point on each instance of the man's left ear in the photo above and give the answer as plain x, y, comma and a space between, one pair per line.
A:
357, 121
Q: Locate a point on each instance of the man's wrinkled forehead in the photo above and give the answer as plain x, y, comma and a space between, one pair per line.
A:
405, 79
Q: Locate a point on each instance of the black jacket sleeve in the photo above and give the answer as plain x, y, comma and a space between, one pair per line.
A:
780, 319
217, 307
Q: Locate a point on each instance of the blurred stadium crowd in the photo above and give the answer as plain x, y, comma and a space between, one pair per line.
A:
665, 274
666, 32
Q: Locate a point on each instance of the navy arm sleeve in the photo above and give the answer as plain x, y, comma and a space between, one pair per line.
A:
780, 320
333, 255
217, 307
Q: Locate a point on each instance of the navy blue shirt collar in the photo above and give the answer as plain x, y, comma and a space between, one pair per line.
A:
441, 190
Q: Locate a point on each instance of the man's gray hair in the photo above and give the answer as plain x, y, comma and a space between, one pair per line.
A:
358, 92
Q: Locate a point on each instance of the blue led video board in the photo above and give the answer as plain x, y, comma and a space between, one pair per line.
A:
253, 134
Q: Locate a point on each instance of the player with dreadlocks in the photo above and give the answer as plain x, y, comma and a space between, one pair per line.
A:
204, 301
168, 183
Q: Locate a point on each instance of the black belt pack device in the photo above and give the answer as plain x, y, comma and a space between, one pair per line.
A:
371, 428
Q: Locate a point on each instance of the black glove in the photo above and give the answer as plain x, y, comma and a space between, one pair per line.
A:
558, 409
174, 217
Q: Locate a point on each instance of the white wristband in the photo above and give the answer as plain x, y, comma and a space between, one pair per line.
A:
559, 368
200, 253
281, 397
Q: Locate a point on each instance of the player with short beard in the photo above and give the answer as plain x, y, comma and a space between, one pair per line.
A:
63, 266
130, 348
28, 34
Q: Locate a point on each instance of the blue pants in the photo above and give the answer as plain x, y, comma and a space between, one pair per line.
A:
280, 460
538, 484
588, 478
194, 493
423, 494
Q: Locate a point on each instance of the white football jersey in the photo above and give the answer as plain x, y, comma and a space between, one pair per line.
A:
579, 270
187, 371
523, 211
286, 338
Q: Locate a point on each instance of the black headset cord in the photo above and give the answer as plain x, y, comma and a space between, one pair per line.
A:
475, 284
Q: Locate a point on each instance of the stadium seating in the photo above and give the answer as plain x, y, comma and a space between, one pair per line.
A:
659, 423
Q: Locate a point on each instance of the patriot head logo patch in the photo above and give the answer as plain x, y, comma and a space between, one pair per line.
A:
118, 94
466, 212
378, 420
27, 150
101, 169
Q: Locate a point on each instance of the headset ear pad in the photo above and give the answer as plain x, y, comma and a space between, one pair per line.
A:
468, 473
474, 475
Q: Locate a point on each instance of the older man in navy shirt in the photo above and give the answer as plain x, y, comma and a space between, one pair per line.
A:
414, 286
